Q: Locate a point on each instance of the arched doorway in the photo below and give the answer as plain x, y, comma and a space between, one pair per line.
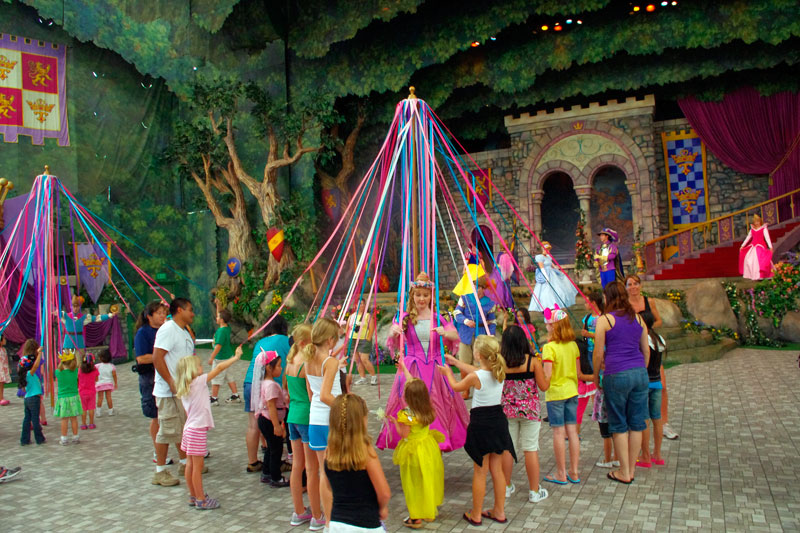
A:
611, 208
560, 216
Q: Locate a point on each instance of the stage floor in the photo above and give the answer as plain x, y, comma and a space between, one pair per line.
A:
734, 467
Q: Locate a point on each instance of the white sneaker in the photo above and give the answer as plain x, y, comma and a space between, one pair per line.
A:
373, 380
76, 439
64, 441
110, 412
616, 463
360, 381
99, 412
316, 525
536, 497
603, 464
302, 518
669, 433
510, 489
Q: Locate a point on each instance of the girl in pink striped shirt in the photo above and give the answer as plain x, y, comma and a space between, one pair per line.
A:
192, 389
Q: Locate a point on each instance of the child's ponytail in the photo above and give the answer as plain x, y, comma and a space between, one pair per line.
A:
489, 349
301, 334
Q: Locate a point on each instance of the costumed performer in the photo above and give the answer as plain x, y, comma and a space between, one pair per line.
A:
74, 322
755, 254
552, 286
499, 276
606, 257
417, 329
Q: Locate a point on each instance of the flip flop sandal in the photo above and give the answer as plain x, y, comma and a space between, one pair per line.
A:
659, 462
490, 516
576, 481
613, 477
412, 523
643, 464
554, 480
472, 522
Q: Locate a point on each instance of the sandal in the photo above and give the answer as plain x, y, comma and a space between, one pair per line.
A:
573, 480
469, 519
612, 476
414, 523
554, 480
490, 516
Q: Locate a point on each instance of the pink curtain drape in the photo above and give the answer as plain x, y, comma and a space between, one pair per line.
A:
752, 133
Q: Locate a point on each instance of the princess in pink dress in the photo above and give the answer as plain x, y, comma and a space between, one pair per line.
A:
423, 354
755, 254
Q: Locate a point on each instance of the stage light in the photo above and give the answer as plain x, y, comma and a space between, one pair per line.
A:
545, 27
651, 8
664, 3
636, 8
579, 22
569, 21
674, 3
474, 44
557, 28
492, 38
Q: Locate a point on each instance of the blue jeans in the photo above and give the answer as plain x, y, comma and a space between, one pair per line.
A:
31, 420
654, 403
625, 395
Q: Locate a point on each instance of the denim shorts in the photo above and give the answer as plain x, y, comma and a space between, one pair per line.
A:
626, 400
561, 412
654, 403
247, 389
317, 437
298, 432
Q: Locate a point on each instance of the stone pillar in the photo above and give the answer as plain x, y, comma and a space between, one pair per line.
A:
636, 207
536, 201
584, 193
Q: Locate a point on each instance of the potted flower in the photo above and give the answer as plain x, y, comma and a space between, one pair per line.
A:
583, 253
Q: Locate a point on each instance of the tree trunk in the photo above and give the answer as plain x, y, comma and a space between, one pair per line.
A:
240, 241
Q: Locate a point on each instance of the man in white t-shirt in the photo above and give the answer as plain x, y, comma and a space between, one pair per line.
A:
173, 342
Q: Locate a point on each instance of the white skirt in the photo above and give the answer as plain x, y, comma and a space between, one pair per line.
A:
341, 527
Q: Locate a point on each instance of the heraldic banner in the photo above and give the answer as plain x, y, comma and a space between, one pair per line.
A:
685, 159
92, 268
33, 95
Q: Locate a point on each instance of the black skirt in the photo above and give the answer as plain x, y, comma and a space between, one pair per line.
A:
487, 432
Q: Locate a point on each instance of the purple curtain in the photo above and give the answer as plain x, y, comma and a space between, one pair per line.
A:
752, 133
96, 333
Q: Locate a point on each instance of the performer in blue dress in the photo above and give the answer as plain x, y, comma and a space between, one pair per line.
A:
72, 325
552, 286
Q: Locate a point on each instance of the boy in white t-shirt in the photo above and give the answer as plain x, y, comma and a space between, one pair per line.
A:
173, 342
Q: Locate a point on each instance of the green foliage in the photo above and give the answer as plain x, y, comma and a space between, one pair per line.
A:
583, 254
300, 224
247, 306
776, 296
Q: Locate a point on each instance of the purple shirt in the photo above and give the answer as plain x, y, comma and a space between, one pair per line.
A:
622, 345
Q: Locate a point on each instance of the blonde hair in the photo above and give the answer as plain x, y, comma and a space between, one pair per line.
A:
72, 364
186, 372
321, 332
419, 401
348, 443
562, 331
489, 349
301, 333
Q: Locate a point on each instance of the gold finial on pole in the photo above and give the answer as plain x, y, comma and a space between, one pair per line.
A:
5, 186
47, 170
411, 91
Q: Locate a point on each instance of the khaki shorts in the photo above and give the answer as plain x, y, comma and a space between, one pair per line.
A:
171, 419
465, 353
222, 377
524, 434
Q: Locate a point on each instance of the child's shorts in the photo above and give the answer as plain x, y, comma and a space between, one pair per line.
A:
524, 434
194, 441
104, 386
562, 412
298, 432
88, 401
317, 437
654, 403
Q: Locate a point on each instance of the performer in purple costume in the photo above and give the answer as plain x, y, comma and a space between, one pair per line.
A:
423, 354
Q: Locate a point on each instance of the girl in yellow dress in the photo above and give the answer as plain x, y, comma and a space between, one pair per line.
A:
418, 453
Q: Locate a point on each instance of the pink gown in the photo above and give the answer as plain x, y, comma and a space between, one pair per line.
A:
451, 411
755, 255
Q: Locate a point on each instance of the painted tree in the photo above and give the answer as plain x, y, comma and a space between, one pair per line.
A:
281, 137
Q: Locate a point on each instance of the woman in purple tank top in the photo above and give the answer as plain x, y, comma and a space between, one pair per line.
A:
622, 353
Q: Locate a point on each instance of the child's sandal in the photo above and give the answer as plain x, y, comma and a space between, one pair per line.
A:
413, 523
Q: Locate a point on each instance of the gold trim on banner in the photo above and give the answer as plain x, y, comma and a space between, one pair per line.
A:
674, 136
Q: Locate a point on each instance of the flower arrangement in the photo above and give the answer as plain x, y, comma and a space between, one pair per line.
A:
583, 253
776, 296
